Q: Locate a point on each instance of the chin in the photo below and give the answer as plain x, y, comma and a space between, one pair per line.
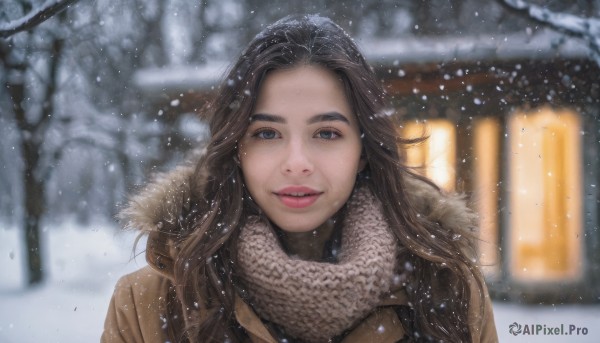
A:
296, 229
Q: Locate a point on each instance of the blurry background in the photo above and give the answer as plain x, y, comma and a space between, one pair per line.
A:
103, 94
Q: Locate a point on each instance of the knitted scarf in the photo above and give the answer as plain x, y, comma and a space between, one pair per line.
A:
315, 301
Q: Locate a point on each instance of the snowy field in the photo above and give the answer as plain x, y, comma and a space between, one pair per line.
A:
85, 263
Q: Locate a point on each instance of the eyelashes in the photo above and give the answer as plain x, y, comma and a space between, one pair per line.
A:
326, 133
266, 134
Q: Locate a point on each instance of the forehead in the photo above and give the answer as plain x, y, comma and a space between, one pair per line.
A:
311, 87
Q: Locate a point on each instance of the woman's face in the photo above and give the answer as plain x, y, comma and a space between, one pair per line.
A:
302, 151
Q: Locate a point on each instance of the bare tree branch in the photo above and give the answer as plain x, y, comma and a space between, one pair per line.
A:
35, 17
586, 28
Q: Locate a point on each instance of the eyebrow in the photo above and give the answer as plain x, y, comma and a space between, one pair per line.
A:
267, 117
329, 116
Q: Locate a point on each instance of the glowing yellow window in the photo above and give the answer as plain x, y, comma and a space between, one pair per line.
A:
435, 157
545, 195
486, 150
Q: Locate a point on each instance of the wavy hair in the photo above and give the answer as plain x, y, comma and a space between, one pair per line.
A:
436, 265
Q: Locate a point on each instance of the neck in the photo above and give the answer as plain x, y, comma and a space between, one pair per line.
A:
309, 245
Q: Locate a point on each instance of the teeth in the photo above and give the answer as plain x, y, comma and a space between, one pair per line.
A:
298, 194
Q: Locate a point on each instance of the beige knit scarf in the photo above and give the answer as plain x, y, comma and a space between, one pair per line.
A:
316, 301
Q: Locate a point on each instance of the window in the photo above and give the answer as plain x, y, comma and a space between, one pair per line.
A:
486, 152
545, 196
434, 158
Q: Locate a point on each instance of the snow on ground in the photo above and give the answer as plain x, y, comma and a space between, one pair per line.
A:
83, 265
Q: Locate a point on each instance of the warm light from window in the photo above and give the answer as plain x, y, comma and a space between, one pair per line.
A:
486, 153
545, 219
435, 157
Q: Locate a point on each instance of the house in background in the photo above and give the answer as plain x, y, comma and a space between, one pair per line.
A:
513, 121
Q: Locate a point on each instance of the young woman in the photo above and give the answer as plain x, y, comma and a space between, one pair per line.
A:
299, 222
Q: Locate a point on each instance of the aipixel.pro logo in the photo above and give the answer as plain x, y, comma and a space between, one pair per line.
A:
516, 329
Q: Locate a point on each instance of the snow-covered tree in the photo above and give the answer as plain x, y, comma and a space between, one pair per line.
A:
30, 63
38, 13
62, 103
586, 28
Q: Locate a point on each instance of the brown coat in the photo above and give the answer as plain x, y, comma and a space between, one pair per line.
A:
138, 307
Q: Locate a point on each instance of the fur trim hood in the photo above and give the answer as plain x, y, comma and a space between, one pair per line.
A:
159, 208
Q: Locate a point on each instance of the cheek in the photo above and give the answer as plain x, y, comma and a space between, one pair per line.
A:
254, 169
349, 159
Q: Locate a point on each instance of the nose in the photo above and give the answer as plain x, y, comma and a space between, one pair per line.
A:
297, 159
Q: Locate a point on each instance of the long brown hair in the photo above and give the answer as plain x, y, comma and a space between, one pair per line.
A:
435, 264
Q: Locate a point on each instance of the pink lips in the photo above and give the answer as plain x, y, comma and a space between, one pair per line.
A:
297, 196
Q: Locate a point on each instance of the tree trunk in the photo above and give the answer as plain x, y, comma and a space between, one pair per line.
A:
33, 196
32, 139
34, 207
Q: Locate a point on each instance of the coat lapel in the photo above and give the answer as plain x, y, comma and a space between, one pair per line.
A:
247, 318
382, 326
